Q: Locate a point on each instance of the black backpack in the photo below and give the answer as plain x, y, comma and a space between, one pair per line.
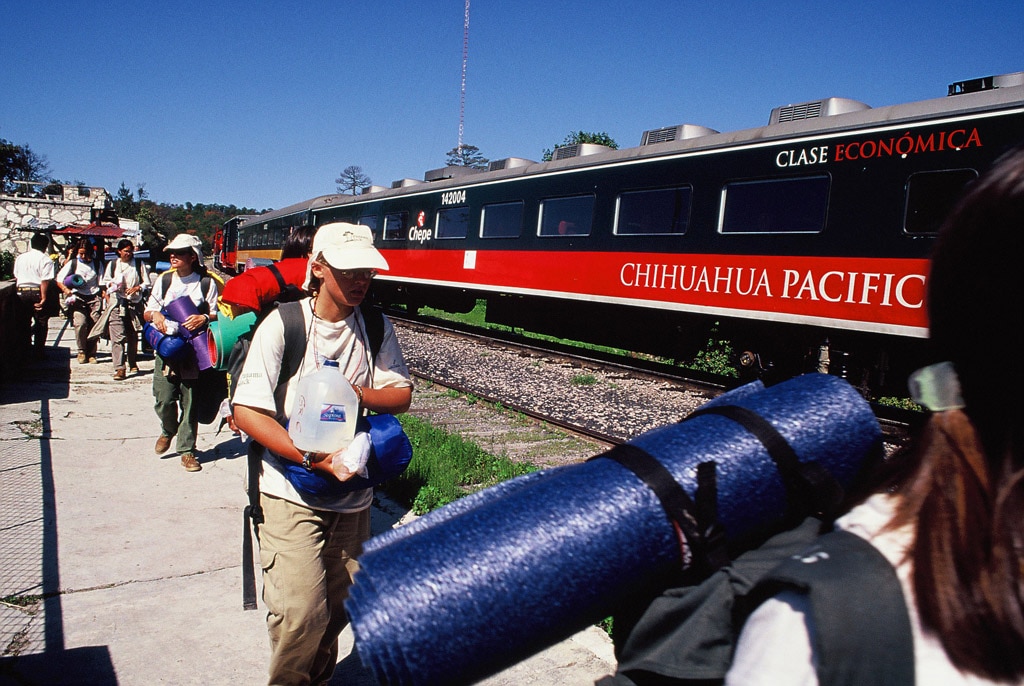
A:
291, 359
684, 633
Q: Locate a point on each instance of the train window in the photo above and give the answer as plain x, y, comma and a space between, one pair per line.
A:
775, 206
371, 221
658, 211
930, 197
571, 216
501, 220
452, 222
394, 225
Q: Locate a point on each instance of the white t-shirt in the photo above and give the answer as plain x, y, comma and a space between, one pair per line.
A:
774, 646
86, 271
32, 268
190, 286
344, 341
124, 275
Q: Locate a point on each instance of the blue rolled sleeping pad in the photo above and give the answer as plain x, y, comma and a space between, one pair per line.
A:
390, 454
496, 577
74, 281
167, 347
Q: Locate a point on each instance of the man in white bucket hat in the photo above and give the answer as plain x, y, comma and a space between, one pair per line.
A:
309, 543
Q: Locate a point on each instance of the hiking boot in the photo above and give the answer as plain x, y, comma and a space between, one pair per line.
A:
119, 374
162, 444
190, 463
81, 358
93, 360
134, 370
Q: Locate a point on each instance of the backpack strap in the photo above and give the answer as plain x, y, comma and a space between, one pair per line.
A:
373, 319
684, 635
862, 632
291, 360
281, 283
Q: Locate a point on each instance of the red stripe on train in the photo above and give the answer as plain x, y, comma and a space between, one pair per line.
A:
889, 292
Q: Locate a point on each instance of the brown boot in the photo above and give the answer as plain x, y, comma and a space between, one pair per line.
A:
162, 444
190, 463
119, 374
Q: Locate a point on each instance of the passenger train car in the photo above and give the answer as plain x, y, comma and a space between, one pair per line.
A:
805, 242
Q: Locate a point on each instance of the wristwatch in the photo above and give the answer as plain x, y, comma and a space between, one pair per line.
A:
307, 460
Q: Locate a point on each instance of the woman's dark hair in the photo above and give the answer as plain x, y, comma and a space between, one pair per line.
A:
964, 495
299, 242
123, 243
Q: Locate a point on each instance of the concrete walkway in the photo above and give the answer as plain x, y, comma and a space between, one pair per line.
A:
119, 567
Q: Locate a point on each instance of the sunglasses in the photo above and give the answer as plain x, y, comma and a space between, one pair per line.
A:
358, 274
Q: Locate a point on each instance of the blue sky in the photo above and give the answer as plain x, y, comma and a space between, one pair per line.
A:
261, 104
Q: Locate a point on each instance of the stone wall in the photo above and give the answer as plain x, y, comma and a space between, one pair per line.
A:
18, 214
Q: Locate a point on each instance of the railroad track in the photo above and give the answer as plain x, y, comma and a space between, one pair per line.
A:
579, 393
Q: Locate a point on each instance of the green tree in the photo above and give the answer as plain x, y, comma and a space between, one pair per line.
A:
577, 137
20, 163
466, 156
352, 180
125, 203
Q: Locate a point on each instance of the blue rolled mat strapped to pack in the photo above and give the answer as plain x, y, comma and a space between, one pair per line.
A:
486, 582
390, 454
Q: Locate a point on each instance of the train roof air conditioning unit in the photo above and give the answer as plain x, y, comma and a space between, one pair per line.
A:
405, 183
674, 133
564, 152
986, 83
816, 108
509, 163
450, 172
373, 189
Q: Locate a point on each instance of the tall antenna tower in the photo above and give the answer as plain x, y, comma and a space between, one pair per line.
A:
462, 93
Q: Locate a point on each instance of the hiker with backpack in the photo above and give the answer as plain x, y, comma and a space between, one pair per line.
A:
174, 383
79, 281
254, 289
126, 278
308, 542
949, 517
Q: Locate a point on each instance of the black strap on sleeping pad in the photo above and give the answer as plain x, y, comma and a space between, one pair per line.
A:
809, 486
678, 505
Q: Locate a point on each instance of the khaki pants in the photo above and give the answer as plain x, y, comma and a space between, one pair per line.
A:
308, 559
124, 339
84, 314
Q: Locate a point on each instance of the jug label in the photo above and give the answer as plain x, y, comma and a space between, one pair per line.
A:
332, 413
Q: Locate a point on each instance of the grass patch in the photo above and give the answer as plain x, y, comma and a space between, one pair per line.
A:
717, 357
478, 317
901, 403
445, 467
583, 380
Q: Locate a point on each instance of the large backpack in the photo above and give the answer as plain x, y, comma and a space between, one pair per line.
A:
684, 633
291, 360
